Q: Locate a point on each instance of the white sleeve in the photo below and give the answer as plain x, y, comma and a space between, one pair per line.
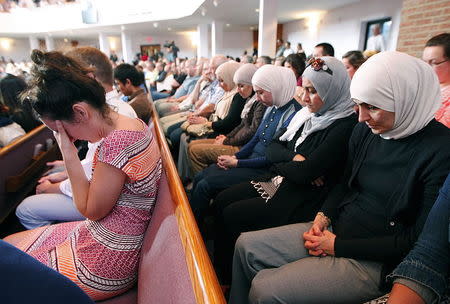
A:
65, 186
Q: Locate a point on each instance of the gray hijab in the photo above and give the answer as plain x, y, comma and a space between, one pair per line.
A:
334, 90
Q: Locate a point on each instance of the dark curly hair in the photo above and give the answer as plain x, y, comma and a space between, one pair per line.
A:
58, 82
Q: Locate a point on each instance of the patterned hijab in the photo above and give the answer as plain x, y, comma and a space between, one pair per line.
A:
279, 81
399, 83
332, 83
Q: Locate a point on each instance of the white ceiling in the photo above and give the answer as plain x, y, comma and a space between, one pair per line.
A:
239, 14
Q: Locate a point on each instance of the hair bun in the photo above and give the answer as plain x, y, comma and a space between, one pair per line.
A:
37, 56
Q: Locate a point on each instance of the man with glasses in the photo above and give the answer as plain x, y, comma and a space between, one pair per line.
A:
437, 55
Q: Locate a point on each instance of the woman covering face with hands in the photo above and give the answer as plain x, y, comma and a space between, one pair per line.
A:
101, 253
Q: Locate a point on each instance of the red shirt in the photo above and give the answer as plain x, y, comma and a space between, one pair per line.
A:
443, 114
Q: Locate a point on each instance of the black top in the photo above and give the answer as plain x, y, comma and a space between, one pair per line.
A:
240, 135
325, 152
233, 118
389, 186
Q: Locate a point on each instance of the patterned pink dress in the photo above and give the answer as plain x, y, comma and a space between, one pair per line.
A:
102, 256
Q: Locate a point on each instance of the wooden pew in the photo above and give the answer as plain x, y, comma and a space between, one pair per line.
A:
20, 169
174, 266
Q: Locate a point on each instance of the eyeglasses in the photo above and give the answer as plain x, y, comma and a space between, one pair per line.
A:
318, 64
435, 64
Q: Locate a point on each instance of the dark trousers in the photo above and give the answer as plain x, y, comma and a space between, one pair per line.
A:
209, 182
241, 208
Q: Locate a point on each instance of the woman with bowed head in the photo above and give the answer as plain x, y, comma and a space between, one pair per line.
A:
308, 157
100, 254
204, 152
274, 87
398, 159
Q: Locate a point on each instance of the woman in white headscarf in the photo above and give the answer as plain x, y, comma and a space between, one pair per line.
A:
274, 87
398, 159
312, 147
204, 152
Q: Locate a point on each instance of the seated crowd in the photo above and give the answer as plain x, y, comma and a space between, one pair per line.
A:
316, 180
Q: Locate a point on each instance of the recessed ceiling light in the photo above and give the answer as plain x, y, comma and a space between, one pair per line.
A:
228, 25
203, 11
169, 28
257, 10
252, 28
215, 3
155, 24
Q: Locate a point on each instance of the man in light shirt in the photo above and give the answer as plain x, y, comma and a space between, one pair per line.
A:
376, 41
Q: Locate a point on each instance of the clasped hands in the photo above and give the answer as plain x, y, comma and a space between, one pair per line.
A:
227, 161
219, 139
318, 240
194, 119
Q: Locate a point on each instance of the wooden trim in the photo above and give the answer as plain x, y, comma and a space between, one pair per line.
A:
203, 277
17, 143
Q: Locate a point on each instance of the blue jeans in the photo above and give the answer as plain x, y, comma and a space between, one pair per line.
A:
428, 262
47, 208
159, 95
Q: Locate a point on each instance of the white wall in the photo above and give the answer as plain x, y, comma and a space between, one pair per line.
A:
18, 51
20, 47
344, 27
235, 43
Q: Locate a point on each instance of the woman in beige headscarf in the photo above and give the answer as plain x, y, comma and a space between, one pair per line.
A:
224, 119
204, 152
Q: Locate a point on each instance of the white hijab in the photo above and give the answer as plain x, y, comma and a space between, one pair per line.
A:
334, 90
244, 76
399, 83
279, 81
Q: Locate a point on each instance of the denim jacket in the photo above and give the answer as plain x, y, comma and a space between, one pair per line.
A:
429, 261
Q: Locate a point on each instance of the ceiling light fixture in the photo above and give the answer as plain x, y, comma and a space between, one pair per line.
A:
203, 11
215, 3
155, 24
227, 25
169, 28
257, 10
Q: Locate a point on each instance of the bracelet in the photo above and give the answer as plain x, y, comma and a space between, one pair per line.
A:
326, 219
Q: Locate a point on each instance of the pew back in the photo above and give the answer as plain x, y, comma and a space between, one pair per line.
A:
20, 168
174, 266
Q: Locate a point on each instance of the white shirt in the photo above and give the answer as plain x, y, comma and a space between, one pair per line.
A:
118, 105
376, 43
288, 52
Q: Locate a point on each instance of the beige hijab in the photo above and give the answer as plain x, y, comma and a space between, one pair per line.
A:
226, 72
279, 81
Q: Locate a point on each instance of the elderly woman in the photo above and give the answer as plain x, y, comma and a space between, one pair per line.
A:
100, 254
313, 147
274, 87
224, 119
204, 152
398, 160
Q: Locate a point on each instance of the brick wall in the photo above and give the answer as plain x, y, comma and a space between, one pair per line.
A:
421, 20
